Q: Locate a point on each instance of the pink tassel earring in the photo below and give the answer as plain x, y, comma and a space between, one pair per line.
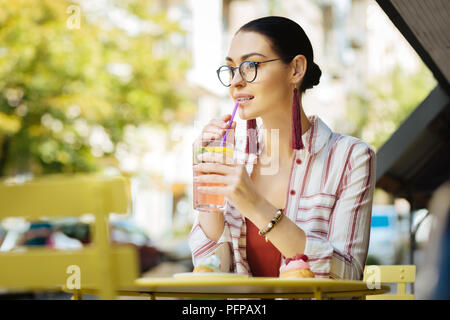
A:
297, 142
251, 145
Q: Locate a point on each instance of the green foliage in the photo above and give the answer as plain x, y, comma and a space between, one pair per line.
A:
372, 260
389, 99
65, 91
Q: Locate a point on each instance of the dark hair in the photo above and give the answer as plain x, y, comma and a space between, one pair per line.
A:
288, 40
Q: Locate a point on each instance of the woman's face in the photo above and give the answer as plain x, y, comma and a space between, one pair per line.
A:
271, 89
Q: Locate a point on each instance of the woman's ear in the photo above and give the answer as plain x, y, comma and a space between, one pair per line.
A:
299, 65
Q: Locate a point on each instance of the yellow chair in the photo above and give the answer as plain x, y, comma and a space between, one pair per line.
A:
98, 265
390, 274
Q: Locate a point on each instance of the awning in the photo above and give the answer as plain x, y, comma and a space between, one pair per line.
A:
415, 160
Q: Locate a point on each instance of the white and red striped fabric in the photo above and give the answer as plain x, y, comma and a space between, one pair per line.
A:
330, 198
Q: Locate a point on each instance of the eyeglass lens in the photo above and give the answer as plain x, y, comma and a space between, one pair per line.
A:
247, 70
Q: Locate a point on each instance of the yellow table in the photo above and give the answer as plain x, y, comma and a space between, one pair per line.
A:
245, 287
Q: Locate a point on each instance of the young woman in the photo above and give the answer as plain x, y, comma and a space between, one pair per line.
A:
324, 183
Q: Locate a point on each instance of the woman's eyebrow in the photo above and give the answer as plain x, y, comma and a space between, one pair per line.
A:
245, 56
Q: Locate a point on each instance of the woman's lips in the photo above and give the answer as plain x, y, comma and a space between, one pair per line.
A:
243, 103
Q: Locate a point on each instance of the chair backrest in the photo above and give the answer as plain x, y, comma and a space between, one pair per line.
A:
98, 265
399, 274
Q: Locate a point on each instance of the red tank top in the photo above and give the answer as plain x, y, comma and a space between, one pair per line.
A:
264, 259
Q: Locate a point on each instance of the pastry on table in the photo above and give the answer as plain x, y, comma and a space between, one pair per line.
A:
296, 267
208, 264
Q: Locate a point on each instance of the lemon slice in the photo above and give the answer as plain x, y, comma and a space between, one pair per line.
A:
229, 152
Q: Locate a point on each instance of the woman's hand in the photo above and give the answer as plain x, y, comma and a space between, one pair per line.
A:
216, 129
237, 186
216, 168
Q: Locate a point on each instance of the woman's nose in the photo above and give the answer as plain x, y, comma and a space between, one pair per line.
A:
237, 79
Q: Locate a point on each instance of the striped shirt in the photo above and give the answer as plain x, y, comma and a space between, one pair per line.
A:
330, 198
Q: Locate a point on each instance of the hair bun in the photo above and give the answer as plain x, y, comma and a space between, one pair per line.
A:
316, 73
312, 77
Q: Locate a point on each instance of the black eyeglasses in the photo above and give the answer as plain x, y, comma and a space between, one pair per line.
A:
247, 69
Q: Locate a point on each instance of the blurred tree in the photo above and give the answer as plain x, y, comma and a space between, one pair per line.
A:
389, 99
71, 80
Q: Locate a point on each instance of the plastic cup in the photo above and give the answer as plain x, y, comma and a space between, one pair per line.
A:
203, 201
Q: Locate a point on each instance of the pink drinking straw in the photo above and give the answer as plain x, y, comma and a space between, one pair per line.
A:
229, 124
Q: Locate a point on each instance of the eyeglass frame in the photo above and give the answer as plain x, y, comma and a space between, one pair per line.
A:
255, 63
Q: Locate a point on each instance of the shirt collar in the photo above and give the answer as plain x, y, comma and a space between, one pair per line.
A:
317, 135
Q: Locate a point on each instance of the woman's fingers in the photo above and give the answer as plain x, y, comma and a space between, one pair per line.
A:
215, 178
213, 168
214, 190
220, 179
218, 126
215, 158
206, 137
221, 123
225, 117
214, 129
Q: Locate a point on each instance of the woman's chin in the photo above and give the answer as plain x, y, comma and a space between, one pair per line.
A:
246, 114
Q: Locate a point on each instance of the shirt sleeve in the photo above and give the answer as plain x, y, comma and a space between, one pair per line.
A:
201, 246
343, 254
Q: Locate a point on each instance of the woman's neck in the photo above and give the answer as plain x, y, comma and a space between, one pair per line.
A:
281, 122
